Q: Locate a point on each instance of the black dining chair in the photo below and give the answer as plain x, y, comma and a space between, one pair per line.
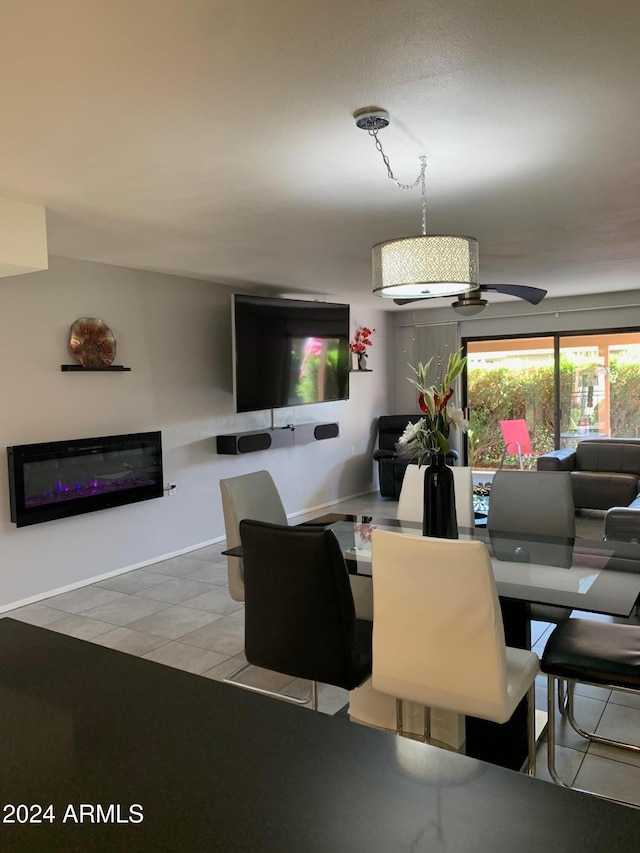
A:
299, 613
585, 651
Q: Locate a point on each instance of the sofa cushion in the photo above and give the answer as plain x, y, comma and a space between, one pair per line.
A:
603, 489
611, 454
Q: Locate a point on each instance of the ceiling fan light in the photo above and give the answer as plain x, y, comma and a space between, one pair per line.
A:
469, 306
425, 267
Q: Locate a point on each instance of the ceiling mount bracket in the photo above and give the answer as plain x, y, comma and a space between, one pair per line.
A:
371, 118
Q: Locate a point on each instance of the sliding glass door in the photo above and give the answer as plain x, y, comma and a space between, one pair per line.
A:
566, 387
599, 386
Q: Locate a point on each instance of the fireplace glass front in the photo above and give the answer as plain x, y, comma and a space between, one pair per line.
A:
63, 478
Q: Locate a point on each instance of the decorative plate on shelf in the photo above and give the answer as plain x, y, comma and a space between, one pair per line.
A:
92, 342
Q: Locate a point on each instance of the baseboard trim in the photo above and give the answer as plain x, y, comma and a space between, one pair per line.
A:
34, 599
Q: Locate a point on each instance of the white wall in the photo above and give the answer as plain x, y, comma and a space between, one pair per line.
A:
175, 334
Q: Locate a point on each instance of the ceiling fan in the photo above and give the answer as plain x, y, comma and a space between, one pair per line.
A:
471, 302
428, 266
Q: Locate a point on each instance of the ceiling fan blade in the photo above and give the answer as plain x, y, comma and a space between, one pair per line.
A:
534, 295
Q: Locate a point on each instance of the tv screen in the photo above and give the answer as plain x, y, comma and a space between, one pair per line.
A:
289, 352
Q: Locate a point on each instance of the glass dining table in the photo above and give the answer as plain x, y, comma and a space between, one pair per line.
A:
589, 575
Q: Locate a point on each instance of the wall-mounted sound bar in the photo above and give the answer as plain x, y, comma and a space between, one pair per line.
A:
266, 439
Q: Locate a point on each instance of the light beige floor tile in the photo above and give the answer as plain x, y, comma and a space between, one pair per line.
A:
80, 627
331, 699
209, 552
610, 778
124, 610
614, 753
215, 600
225, 636
300, 688
619, 722
176, 567
36, 614
568, 763
133, 582
132, 642
540, 631
215, 573
188, 658
631, 700
174, 622
175, 590
83, 598
587, 713
601, 693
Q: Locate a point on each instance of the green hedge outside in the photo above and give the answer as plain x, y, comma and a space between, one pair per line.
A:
501, 393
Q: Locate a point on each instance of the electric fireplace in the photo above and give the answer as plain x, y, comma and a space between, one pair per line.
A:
62, 478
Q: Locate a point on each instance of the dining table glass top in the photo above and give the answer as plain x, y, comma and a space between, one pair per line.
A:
587, 574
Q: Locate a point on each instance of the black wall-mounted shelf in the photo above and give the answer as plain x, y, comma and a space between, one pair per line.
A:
368, 370
78, 368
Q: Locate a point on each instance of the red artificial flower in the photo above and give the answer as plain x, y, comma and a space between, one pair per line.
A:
362, 339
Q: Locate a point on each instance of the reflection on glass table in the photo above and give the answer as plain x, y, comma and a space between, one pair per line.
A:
600, 577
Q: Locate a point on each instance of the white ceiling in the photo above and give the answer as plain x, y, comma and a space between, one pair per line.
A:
215, 138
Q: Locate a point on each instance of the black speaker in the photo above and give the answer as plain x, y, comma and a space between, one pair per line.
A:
326, 431
251, 443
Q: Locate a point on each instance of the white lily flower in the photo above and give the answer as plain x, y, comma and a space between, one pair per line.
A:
411, 432
456, 418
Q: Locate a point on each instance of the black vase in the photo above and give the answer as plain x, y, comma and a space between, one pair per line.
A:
362, 361
439, 513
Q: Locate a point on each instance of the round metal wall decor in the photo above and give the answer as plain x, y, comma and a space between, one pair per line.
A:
92, 342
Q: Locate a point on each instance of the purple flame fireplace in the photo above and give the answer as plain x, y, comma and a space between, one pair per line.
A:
62, 478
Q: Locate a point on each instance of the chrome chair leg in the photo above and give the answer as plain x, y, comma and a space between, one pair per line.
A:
592, 735
294, 700
427, 724
563, 696
551, 732
399, 718
551, 741
531, 730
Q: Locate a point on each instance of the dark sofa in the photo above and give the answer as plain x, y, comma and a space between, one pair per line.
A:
605, 472
391, 466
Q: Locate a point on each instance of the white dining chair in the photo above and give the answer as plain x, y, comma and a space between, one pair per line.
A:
438, 637
254, 496
411, 500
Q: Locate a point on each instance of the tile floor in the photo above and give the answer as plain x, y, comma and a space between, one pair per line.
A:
179, 613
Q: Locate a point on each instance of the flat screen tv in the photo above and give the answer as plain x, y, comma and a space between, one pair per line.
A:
289, 352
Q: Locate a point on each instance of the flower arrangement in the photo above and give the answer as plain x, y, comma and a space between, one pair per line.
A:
362, 340
430, 435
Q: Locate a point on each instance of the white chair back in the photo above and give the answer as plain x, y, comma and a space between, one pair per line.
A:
438, 637
411, 500
253, 496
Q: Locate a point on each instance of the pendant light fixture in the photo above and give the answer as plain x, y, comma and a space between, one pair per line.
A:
425, 266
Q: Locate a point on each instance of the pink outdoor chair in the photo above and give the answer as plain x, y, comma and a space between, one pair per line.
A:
517, 441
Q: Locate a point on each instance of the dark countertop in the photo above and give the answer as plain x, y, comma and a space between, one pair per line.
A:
216, 768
